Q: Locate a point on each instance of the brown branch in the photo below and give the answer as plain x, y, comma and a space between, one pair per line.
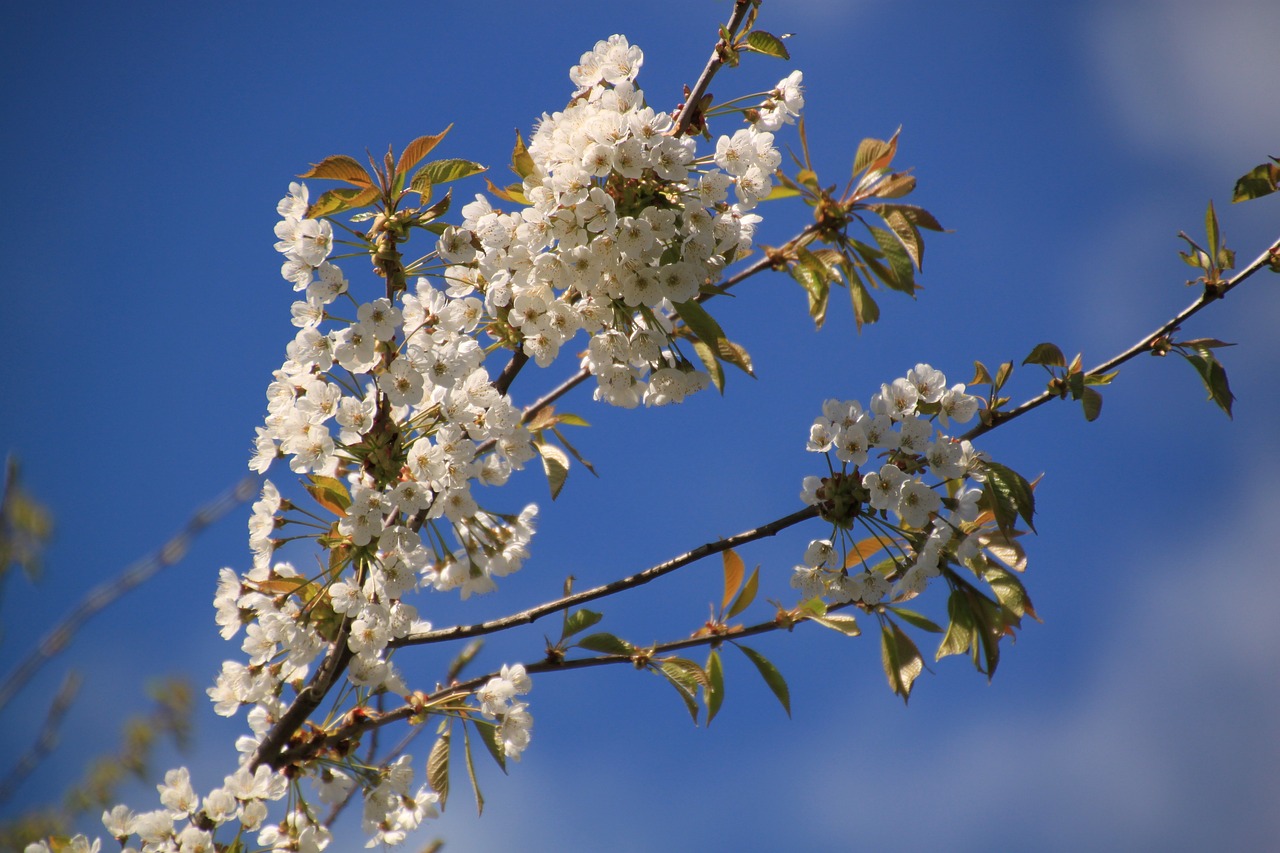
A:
1211, 294
690, 108
372, 722
534, 613
101, 597
47, 738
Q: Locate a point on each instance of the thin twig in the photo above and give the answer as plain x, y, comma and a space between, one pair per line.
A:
687, 112
1169, 327
370, 722
46, 740
101, 597
534, 613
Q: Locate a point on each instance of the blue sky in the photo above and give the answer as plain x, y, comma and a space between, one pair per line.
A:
1064, 147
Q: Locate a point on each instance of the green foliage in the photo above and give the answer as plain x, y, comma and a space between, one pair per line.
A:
1261, 180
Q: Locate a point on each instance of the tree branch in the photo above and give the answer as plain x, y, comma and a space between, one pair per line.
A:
690, 108
1210, 295
534, 613
371, 722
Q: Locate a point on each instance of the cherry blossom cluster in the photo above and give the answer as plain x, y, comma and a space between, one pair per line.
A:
881, 457
386, 411
623, 221
497, 702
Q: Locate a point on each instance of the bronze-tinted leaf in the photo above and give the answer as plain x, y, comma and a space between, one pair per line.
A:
419, 148
340, 167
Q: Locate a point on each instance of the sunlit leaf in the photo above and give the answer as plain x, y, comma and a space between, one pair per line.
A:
901, 659
521, 161
443, 171
734, 569
766, 43
336, 201
489, 737
555, 462
913, 618
841, 622
1214, 377
419, 148
771, 676
438, 766
330, 493
747, 596
675, 676
340, 167
605, 643
1010, 495
715, 685
1047, 354
1259, 181
471, 768
579, 621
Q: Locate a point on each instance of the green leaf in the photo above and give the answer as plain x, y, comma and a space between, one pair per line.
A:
419, 148
1009, 591
573, 450
959, 636
714, 693
865, 309
1091, 400
771, 676
675, 676
556, 465
512, 193
1211, 230
766, 43
874, 154
734, 569
902, 275
435, 211
901, 659
336, 201
443, 171
841, 622
1010, 496
705, 328
330, 493
579, 621
708, 358
521, 161
1259, 181
1214, 377
438, 765
904, 229
913, 618
569, 419
488, 732
471, 768
813, 276
981, 376
747, 596
606, 644
462, 659
1047, 354
340, 167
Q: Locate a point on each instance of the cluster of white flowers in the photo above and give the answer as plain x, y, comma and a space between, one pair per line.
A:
497, 701
623, 222
391, 417
898, 430
188, 822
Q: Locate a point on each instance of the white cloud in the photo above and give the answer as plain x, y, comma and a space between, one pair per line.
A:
1189, 77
